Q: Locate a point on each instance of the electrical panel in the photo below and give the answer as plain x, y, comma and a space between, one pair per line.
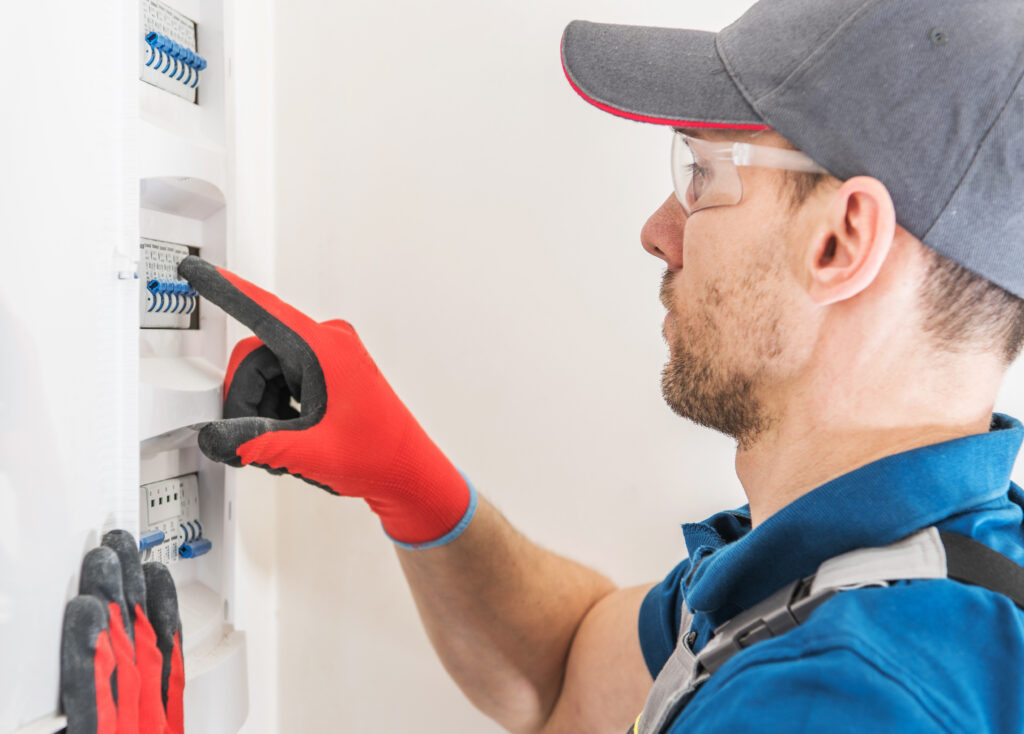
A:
169, 51
149, 388
169, 525
185, 501
166, 300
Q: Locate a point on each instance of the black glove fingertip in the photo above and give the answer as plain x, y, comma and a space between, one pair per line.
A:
217, 446
123, 544
162, 607
220, 440
85, 619
196, 271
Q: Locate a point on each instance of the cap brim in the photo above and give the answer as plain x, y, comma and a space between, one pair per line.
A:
664, 76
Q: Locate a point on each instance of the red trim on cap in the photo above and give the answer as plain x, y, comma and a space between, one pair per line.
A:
657, 120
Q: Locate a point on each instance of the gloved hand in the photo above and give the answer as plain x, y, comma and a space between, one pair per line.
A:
122, 671
352, 435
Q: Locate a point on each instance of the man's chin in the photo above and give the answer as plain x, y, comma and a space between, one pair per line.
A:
734, 412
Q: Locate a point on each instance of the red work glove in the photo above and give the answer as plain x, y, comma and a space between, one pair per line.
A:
122, 670
352, 435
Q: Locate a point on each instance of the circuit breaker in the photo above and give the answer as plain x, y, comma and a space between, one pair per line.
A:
166, 300
169, 526
169, 51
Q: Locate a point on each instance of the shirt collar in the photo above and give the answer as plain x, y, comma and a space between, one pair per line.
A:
874, 505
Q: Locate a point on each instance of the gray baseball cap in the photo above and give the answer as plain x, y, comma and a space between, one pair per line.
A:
927, 96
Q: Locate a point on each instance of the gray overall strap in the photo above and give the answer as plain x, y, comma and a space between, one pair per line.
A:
673, 681
918, 556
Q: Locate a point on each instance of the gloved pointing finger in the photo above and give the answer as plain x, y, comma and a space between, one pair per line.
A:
352, 435
286, 330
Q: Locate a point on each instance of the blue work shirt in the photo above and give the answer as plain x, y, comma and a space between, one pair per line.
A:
926, 655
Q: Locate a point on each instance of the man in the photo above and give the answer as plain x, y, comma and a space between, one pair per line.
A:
846, 313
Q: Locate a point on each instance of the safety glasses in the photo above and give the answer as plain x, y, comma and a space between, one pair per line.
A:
705, 173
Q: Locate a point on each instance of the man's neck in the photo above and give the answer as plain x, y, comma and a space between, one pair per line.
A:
795, 458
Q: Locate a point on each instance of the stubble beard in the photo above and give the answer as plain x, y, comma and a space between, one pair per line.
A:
695, 382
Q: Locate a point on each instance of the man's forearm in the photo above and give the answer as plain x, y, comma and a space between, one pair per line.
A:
501, 613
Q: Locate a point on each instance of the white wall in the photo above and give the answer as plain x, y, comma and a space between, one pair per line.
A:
248, 29
68, 225
442, 187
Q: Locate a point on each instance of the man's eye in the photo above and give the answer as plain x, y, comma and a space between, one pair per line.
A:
699, 171
699, 177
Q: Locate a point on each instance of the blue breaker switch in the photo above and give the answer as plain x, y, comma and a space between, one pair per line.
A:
151, 540
151, 39
195, 548
180, 296
154, 287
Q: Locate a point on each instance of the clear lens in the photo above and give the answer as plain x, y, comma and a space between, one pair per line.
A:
703, 174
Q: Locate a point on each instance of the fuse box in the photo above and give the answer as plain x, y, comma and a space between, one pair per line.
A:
169, 51
166, 300
184, 500
167, 154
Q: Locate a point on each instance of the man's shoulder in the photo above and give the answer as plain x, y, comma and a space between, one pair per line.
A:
926, 650
931, 617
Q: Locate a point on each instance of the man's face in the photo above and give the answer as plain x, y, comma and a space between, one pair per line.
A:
729, 323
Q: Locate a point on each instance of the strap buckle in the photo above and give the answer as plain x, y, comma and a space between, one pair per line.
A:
787, 608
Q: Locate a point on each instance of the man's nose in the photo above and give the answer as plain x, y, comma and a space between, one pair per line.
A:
662, 234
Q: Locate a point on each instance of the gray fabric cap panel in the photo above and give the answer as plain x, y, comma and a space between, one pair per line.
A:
883, 95
982, 226
674, 75
773, 39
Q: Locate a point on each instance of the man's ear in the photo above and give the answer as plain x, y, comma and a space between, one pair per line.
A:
851, 243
